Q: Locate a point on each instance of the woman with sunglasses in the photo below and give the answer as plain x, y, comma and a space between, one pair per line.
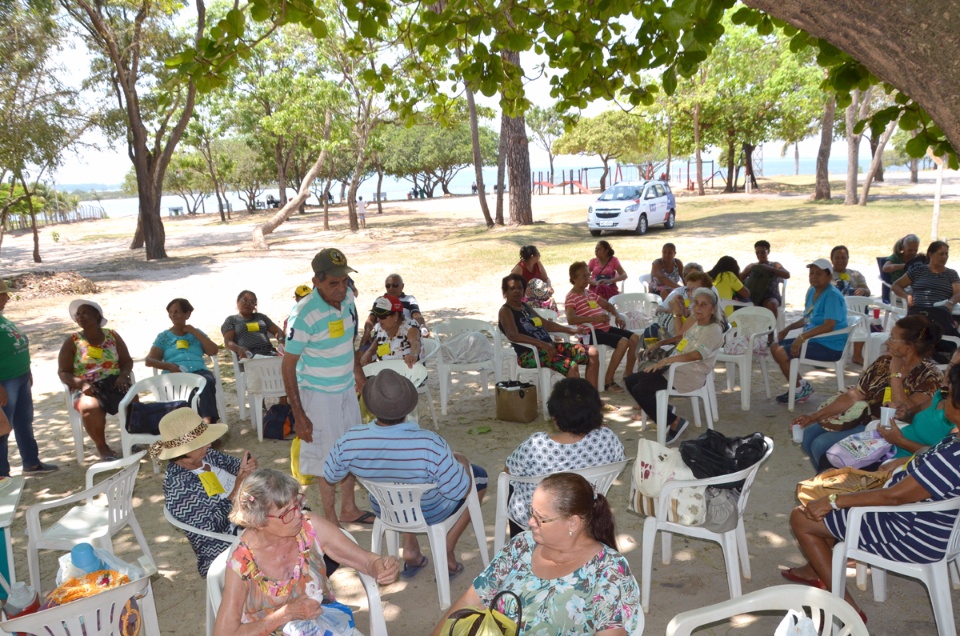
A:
271, 574
247, 333
907, 537
566, 570
199, 483
394, 337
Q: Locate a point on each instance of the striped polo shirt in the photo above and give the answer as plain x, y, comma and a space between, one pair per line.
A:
581, 303
322, 336
402, 453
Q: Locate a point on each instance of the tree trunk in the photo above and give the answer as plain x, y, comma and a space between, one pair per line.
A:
501, 166
853, 152
748, 165
550, 157
875, 165
731, 183
796, 159
669, 148
281, 170
696, 143
935, 222
326, 207
379, 188
33, 220
478, 158
518, 161
284, 213
606, 171
874, 144
822, 190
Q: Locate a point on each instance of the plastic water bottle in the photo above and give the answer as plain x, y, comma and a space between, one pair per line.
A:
83, 557
23, 600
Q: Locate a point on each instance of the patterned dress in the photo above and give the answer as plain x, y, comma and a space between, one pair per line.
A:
387, 348
540, 455
602, 594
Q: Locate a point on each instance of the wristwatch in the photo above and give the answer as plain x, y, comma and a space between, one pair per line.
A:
897, 375
833, 501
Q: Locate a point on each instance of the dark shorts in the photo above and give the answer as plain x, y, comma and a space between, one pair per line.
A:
612, 337
815, 351
107, 394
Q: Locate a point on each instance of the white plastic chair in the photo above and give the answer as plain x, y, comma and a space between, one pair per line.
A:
935, 576
186, 527
270, 386
707, 393
104, 510
454, 329
547, 314
216, 576
544, 377
736, 304
418, 375
400, 512
168, 387
97, 615
756, 324
601, 477
644, 281
76, 423
782, 309
943, 367
241, 384
733, 542
825, 609
838, 367
643, 303
221, 396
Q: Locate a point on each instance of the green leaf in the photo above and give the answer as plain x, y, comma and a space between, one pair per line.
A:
669, 79
369, 27
917, 147
237, 20
479, 430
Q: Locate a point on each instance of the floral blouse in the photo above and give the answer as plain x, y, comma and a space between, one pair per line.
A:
600, 595
924, 378
265, 595
95, 363
387, 348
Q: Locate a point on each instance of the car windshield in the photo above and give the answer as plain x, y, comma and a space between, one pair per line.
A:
621, 193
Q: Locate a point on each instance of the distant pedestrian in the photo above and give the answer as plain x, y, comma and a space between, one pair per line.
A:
362, 212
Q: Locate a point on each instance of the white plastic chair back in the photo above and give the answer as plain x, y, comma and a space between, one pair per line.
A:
644, 281
169, 387
221, 397
825, 609
97, 615
76, 423
268, 383
838, 366
448, 332
186, 527
754, 324
601, 477
241, 384
547, 314
782, 310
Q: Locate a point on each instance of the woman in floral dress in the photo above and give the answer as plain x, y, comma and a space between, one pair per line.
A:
570, 579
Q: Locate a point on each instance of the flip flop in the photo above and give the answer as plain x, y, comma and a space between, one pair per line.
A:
791, 576
367, 518
456, 571
613, 387
410, 571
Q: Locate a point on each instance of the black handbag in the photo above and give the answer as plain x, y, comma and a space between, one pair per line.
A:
714, 454
144, 418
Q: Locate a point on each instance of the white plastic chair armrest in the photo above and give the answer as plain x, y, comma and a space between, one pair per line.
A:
103, 467
855, 516
838, 332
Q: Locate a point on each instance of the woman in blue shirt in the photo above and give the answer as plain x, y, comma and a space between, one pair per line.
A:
180, 349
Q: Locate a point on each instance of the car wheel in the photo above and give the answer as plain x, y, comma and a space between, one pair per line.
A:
671, 220
594, 232
642, 225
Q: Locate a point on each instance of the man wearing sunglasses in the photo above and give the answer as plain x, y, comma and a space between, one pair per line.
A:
411, 310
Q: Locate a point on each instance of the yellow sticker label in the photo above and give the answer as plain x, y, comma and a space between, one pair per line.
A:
383, 350
845, 276
183, 344
211, 484
887, 395
592, 304
253, 326
95, 352
686, 302
536, 321
336, 328
681, 345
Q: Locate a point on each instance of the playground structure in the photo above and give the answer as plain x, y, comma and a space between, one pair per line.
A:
577, 181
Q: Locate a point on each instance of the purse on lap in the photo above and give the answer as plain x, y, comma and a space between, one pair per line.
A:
475, 621
839, 481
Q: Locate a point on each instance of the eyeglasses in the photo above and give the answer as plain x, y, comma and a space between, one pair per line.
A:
392, 285
944, 392
287, 515
540, 520
248, 301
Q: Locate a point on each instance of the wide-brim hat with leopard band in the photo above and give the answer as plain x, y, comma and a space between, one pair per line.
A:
182, 431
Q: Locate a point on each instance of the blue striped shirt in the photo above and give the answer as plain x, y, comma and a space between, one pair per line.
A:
326, 362
402, 453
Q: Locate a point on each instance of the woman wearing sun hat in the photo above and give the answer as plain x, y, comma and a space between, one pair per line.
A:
199, 483
16, 397
95, 364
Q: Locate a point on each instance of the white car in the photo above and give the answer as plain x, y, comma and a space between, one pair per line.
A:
633, 206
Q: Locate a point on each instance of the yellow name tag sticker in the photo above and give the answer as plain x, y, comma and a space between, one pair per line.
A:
211, 484
592, 304
95, 352
253, 326
383, 350
183, 344
845, 276
336, 328
681, 345
887, 395
536, 321
686, 302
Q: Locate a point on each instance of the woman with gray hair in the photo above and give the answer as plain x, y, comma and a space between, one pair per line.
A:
698, 342
277, 574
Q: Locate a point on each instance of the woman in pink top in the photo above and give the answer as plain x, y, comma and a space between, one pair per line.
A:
605, 271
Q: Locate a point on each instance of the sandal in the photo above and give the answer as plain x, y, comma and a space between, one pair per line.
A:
410, 571
456, 571
613, 387
793, 577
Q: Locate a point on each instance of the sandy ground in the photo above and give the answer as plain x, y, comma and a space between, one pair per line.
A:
210, 263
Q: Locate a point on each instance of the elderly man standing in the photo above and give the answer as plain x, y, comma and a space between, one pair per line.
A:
411, 310
321, 375
824, 311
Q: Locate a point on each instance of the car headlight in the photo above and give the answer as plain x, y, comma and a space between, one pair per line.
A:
590, 210
631, 208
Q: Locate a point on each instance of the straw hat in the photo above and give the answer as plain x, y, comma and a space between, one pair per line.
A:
80, 302
182, 431
389, 395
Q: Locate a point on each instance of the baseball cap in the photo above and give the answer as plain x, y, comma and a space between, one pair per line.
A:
386, 305
302, 290
822, 263
331, 261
